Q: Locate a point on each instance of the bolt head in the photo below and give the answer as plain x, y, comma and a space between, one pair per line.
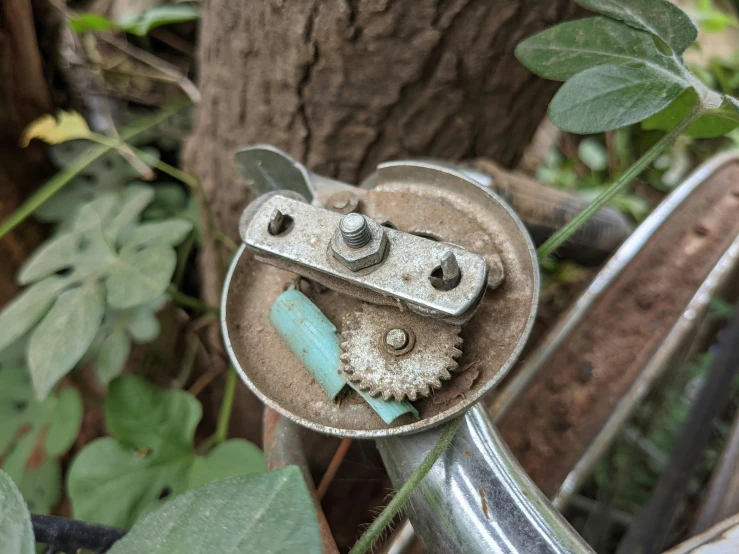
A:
396, 339
356, 259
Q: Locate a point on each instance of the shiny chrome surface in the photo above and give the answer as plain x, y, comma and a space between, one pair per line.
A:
476, 498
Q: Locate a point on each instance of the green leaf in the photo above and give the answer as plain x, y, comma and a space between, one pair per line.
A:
152, 456
64, 335
84, 249
567, 49
164, 14
86, 22
135, 198
24, 311
593, 154
272, 512
140, 415
16, 532
112, 355
142, 274
170, 232
661, 18
226, 460
609, 97
143, 326
34, 434
715, 123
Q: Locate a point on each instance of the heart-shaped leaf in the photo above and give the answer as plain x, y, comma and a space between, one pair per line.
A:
275, 514
609, 97
567, 49
16, 532
661, 18
64, 335
152, 456
34, 434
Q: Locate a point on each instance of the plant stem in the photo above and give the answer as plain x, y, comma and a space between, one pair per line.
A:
196, 187
65, 175
224, 416
561, 236
368, 538
190, 302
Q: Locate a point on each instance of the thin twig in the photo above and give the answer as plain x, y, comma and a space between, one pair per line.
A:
224, 415
333, 467
190, 302
368, 538
164, 67
65, 175
561, 236
188, 361
203, 381
89, 45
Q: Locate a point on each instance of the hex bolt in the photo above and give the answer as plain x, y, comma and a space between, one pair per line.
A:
450, 273
275, 222
355, 230
396, 339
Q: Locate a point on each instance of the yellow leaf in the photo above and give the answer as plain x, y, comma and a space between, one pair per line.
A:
66, 126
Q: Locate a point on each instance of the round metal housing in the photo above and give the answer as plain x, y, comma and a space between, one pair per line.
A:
421, 198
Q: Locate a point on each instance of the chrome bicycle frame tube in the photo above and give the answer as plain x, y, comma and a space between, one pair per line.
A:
476, 498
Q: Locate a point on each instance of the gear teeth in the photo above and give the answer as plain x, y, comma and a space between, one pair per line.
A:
412, 375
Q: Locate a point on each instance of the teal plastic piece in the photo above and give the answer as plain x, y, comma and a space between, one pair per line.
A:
314, 340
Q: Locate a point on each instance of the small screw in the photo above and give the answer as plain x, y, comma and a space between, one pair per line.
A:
275, 222
450, 273
341, 202
355, 230
396, 339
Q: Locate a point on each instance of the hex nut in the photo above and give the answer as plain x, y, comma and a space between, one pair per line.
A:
355, 259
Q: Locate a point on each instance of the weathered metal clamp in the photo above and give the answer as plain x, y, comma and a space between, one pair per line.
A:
377, 264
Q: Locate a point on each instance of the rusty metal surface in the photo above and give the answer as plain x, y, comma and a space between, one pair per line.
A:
283, 447
415, 373
403, 275
601, 359
460, 212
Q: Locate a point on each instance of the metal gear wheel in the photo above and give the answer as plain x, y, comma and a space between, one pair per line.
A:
398, 354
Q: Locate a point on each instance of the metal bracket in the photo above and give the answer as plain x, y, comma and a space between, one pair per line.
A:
404, 276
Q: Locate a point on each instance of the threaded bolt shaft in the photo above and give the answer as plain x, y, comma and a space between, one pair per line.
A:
355, 230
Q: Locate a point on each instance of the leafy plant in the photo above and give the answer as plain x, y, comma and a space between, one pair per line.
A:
16, 533
229, 516
620, 68
104, 260
712, 19
151, 456
137, 23
34, 434
272, 512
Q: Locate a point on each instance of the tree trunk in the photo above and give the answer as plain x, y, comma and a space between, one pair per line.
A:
24, 96
343, 85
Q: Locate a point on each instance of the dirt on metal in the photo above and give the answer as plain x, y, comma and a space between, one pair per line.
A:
553, 422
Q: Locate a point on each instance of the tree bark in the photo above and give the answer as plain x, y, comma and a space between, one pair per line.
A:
24, 96
342, 85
